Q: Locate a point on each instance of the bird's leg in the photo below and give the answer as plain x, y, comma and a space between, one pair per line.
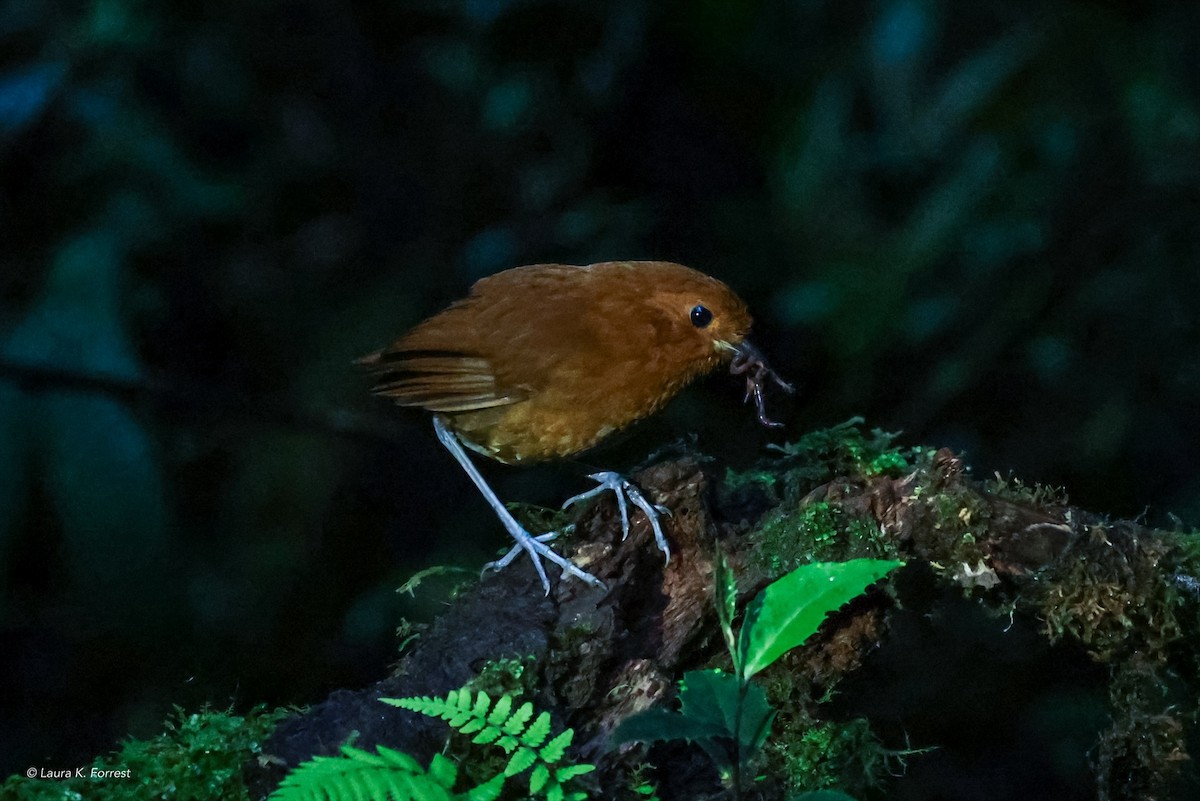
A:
535, 546
626, 489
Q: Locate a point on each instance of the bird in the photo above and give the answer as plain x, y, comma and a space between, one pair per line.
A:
543, 362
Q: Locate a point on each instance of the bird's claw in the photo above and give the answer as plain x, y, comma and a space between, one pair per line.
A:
538, 551
627, 493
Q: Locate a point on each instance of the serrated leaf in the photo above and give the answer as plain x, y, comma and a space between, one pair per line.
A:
537, 732
790, 610
568, 772
538, 778
521, 760
473, 725
553, 751
516, 723
508, 743
486, 736
711, 696
554, 793
460, 699
500, 710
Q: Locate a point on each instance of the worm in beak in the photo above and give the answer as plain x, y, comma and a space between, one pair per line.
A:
747, 359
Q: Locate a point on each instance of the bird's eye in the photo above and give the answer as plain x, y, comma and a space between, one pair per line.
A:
701, 316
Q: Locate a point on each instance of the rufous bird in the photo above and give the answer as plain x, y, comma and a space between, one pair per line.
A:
543, 362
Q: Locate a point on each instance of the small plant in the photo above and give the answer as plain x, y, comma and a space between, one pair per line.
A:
390, 775
727, 715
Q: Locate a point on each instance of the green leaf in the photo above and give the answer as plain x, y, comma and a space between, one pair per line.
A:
516, 724
568, 772
482, 704
443, 771
538, 778
711, 696
500, 710
711, 703
653, 725
488, 791
397, 759
554, 750
486, 736
757, 716
822, 795
790, 610
725, 590
361, 774
521, 760
472, 726
536, 734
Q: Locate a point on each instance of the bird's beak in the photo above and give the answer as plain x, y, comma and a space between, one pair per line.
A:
747, 359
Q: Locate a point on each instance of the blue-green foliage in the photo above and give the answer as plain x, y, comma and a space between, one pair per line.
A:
390, 774
725, 714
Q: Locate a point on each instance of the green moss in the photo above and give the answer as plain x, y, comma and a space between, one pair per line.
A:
828, 756
819, 532
961, 521
199, 756
796, 533
1036, 495
819, 456
1113, 594
844, 450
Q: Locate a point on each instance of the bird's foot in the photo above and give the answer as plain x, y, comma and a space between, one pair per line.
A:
625, 489
538, 550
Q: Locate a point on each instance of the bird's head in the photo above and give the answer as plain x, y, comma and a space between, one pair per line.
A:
713, 324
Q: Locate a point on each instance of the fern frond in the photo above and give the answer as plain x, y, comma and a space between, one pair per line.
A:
500, 710
516, 732
554, 750
537, 732
488, 791
359, 774
567, 772
516, 723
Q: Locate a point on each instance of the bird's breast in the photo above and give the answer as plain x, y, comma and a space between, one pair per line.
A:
571, 413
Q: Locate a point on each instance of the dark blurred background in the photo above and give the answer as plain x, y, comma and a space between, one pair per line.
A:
975, 222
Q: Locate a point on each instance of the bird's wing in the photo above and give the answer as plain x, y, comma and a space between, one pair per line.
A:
438, 380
